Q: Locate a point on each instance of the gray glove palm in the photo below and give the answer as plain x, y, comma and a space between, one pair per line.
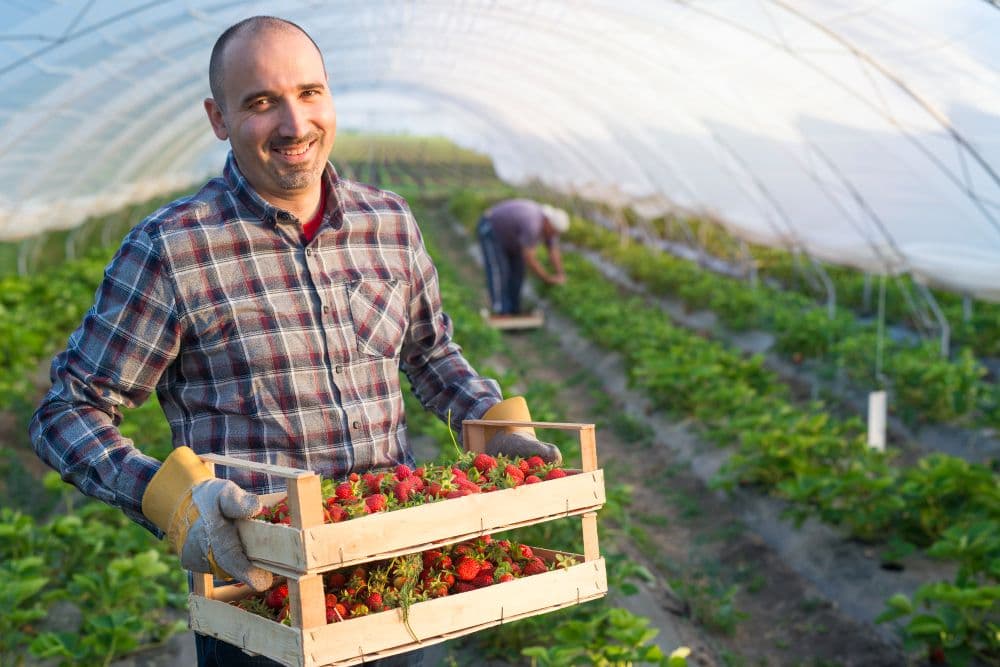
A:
213, 541
519, 444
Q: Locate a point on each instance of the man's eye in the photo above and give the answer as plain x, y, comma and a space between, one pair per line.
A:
262, 103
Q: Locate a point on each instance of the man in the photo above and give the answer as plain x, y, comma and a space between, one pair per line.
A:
271, 312
509, 234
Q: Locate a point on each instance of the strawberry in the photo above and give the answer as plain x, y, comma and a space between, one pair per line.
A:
375, 503
345, 491
515, 473
275, 598
336, 580
483, 579
484, 463
336, 613
358, 609
534, 566
337, 514
556, 473
403, 489
430, 557
525, 551
403, 471
467, 568
532, 479
535, 462
462, 587
374, 601
523, 466
506, 576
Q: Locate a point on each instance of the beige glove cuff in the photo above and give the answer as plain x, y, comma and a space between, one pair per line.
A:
514, 408
167, 501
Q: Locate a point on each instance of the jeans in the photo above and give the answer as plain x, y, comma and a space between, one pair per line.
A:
214, 652
504, 272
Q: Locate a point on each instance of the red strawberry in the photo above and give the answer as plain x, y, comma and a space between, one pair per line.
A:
483, 579
534, 566
523, 466
467, 568
535, 462
338, 513
430, 557
402, 490
462, 587
506, 576
434, 490
374, 601
515, 474
336, 613
525, 551
419, 472
532, 479
275, 598
345, 491
484, 463
336, 580
403, 471
375, 503
556, 473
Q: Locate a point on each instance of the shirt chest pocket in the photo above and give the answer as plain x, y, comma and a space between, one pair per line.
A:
379, 315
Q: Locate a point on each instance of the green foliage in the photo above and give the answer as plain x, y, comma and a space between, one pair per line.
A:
119, 579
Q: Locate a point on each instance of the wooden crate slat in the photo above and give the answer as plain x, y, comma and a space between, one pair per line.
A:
384, 634
387, 534
249, 632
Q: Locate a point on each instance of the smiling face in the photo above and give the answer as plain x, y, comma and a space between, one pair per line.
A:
277, 114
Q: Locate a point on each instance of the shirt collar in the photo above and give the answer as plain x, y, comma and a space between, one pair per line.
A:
259, 206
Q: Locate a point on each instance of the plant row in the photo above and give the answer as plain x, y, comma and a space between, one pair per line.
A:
855, 291
820, 465
924, 387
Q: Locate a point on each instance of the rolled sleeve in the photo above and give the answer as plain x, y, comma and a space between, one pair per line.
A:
113, 360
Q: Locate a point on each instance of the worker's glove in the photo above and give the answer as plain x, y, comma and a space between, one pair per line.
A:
518, 444
198, 512
516, 440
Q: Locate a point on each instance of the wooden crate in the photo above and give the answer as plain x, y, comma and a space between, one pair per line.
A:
532, 320
383, 634
308, 548
308, 545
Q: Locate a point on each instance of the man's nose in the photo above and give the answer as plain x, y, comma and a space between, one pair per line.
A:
294, 120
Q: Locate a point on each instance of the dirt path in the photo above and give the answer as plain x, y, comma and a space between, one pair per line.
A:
721, 588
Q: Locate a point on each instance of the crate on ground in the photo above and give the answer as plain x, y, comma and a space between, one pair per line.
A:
306, 549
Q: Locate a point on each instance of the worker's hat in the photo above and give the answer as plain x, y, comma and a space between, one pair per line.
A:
558, 218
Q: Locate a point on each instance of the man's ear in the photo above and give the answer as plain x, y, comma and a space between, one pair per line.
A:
215, 118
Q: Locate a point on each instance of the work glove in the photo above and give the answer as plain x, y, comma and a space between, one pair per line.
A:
198, 512
516, 440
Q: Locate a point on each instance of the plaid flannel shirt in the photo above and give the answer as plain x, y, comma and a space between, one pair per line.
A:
259, 345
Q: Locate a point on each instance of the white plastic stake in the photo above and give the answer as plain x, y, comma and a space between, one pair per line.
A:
876, 420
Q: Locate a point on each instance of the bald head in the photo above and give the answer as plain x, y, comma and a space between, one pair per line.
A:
250, 27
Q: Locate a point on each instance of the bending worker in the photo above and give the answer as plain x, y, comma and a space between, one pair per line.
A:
271, 312
509, 235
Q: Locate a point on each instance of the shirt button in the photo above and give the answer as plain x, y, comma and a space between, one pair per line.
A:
338, 369
309, 252
326, 309
356, 425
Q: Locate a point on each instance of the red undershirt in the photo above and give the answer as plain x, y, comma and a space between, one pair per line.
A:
312, 226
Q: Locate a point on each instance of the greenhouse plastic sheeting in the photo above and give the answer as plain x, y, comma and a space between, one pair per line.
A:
864, 133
